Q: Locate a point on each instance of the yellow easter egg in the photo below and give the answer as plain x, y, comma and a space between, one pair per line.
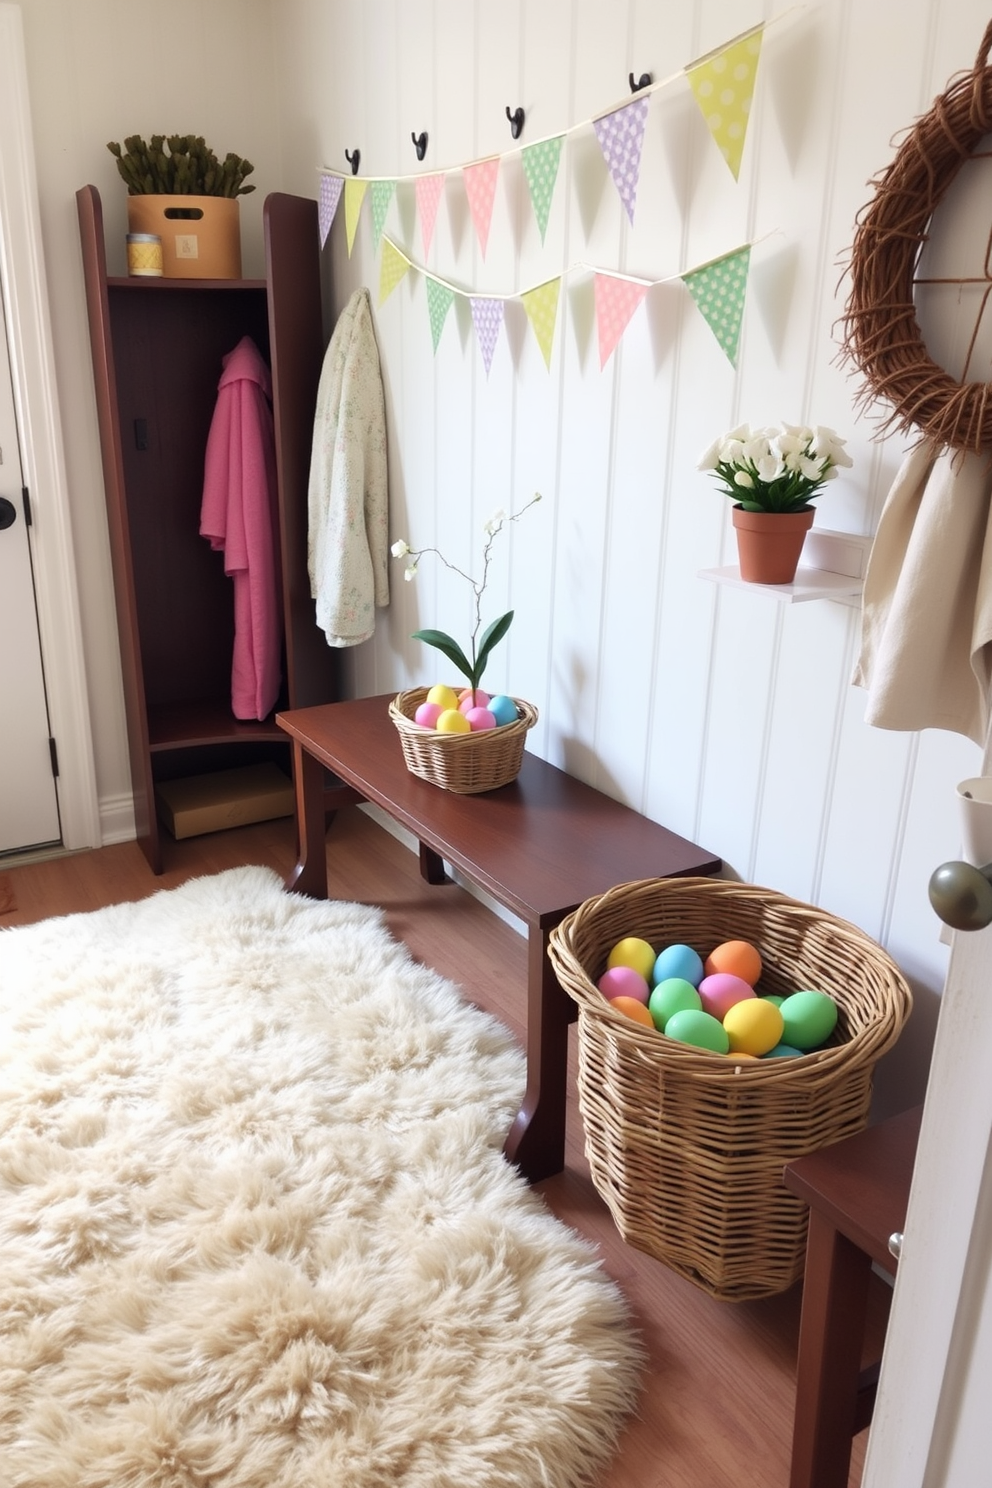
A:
452, 722
632, 951
445, 697
753, 1026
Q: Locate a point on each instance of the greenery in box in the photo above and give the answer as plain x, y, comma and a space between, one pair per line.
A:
187, 168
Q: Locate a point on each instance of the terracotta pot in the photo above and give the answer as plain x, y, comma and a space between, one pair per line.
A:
201, 235
769, 543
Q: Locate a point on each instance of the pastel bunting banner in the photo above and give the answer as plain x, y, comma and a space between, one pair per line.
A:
382, 194
354, 195
621, 136
391, 270
487, 317
540, 163
439, 301
723, 87
719, 289
480, 187
616, 301
428, 190
541, 305
327, 204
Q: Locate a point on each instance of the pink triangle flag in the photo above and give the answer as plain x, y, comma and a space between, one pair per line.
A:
480, 187
428, 189
327, 205
487, 317
616, 301
621, 135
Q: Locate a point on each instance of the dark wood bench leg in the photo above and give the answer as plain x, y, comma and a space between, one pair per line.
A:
536, 1142
831, 1333
432, 866
310, 874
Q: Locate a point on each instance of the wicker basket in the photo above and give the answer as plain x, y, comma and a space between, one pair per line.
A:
686, 1147
465, 763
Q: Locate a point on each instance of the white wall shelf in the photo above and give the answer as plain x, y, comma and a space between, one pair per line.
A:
834, 569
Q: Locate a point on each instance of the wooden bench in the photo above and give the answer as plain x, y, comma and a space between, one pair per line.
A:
539, 846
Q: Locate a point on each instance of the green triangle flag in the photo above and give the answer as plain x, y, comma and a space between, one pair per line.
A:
540, 164
719, 289
382, 195
439, 301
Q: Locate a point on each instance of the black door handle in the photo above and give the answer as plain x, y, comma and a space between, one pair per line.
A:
8, 513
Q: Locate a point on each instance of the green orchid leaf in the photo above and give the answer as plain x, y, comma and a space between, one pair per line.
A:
491, 637
450, 648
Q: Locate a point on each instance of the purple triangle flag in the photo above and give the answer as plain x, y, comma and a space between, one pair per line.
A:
621, 135
487, 317
330, 194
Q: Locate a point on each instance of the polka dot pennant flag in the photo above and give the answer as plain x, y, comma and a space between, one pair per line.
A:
487, 317
480, 187
621, 135
354, 195
540, 164
391, 269
541, 305
723, 87
719, 289
382, 194
428, 189
327, 204
439, 301
616, 301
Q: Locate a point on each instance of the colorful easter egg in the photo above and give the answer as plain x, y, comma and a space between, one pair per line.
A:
782, 1051
720, 991
753, 1026
453, 722
673, 995
480, 719
679, 961
503, 709
738, 957
631, 1008
623, 981
468, 698
427, 714
632, 951
445, 697
699, 1029
809, 1018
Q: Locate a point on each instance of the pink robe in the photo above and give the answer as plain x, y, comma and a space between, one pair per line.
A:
238, 518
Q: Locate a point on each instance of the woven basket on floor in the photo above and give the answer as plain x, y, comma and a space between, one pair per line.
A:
686, 1147
464, 763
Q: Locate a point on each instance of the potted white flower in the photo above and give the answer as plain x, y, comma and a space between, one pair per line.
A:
772, 475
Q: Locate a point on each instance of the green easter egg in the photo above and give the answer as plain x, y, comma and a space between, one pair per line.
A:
700, 1029
772, 997
809, 1018
673, 995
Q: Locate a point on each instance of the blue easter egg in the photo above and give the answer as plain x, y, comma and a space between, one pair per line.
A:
503, 709
678, 961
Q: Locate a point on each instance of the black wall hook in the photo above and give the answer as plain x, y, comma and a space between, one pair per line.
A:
353, 158
420, 143
516, 121
644, 81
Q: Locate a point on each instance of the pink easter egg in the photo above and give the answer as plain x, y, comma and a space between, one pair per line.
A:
466, 700
720, 991
480, 718
427, 714
623, 981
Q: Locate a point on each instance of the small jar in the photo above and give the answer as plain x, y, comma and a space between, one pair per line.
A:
144, 255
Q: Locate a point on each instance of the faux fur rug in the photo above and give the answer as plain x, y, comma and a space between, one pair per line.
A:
255, 1227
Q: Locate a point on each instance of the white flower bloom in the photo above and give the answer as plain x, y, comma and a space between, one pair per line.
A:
756, 449
410, 573
811, 469
741, 478
495, 522
827, 443
769, 468
731, 452
790, 444
400, 548
709, 459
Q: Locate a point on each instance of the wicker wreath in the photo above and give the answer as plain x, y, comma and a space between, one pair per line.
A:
880, 331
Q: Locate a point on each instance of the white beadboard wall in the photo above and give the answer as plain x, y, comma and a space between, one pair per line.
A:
723, 714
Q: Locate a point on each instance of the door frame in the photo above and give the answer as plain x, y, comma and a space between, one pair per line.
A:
22, 276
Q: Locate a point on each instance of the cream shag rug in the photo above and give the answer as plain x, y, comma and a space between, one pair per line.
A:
255, 1227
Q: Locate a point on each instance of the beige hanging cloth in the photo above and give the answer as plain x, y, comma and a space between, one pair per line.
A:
926, 643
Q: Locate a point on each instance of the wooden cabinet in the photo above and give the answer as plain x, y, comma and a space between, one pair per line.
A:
158, 346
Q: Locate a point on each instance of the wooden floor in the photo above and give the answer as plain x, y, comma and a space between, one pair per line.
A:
716, 1410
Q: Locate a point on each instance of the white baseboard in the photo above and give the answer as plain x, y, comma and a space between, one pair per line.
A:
116, 819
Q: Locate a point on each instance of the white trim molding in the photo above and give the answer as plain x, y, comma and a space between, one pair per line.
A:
22, 275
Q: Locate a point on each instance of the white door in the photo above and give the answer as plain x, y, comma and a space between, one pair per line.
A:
931, 1421
29, 812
